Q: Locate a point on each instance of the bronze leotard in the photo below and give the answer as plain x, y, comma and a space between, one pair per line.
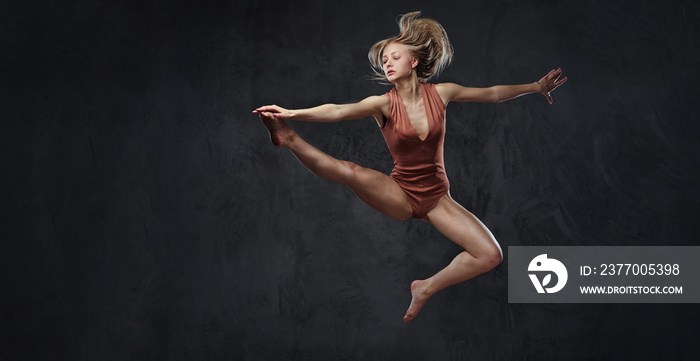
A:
418, 164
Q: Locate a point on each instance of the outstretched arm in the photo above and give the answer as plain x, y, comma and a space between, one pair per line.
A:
373, 105
501, 93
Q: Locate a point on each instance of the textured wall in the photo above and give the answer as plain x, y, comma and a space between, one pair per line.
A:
146, 215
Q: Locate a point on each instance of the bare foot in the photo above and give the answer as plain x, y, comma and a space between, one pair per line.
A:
280, 132
419, 295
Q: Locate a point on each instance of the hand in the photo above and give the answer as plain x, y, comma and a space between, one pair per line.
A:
549, 82
275, 112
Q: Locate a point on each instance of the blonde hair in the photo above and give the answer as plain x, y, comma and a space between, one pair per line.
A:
425, 38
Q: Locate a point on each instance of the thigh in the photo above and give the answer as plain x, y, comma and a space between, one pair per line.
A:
380, 192
463, 228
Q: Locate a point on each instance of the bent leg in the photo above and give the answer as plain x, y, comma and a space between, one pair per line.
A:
374, 188
482, 252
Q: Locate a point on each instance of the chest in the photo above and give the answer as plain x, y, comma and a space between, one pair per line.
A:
418, 119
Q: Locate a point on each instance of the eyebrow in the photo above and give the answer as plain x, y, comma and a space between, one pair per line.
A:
383, 56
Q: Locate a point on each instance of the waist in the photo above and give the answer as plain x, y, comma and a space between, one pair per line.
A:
418, 171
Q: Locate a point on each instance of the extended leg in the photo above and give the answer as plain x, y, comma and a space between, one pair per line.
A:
482, 252
374, 188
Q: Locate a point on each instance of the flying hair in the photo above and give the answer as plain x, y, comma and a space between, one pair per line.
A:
425, 38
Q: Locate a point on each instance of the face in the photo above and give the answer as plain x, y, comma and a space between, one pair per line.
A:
397, 61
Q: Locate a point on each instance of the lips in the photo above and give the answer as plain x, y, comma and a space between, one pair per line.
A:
390, 72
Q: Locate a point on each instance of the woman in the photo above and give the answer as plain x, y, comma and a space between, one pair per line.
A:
412, 119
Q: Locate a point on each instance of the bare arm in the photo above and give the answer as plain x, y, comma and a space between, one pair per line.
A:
374, 106
501, 93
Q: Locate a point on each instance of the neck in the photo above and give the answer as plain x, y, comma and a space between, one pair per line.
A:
409, 89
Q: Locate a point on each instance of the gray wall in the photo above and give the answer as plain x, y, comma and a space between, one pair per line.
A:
147, 216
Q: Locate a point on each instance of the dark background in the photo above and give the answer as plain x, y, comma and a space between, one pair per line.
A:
146, 216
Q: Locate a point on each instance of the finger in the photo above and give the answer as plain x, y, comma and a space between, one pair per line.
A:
560, 82
546, 77
549, 98
269, 108
267, 115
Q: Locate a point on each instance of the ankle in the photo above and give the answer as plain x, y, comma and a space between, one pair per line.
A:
425, 287
291, 140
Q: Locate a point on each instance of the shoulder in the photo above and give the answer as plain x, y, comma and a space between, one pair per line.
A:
446, 88
378, 103
376, 99
446, 91
378, 106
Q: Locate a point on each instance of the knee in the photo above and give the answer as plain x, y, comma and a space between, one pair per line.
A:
349, 171
491, 259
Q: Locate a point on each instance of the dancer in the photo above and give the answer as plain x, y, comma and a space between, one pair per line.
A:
412, 119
